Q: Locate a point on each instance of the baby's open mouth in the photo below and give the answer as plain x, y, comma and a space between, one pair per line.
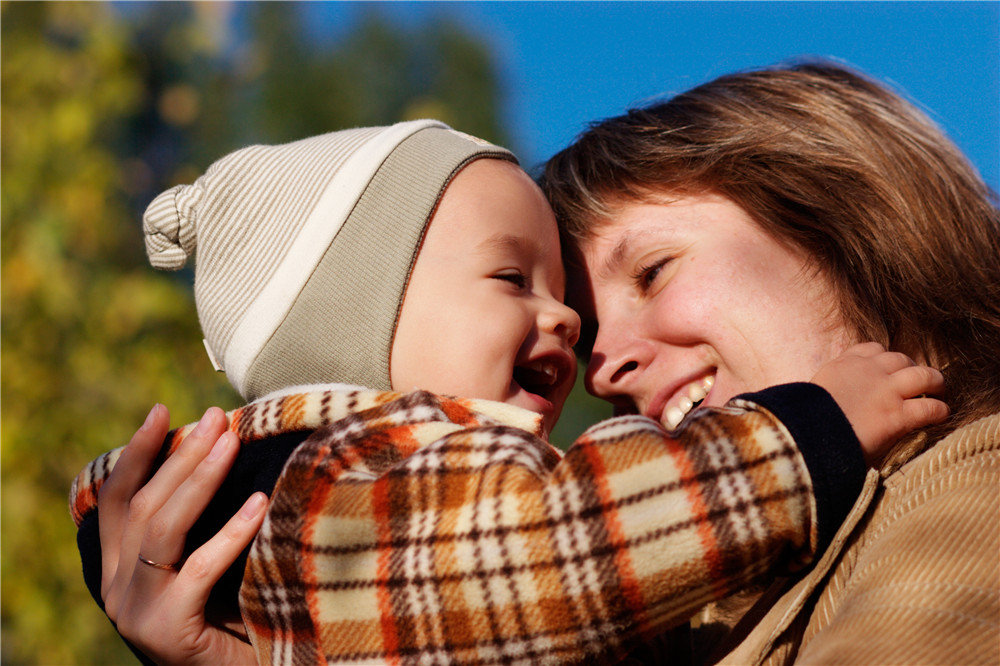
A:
540, 377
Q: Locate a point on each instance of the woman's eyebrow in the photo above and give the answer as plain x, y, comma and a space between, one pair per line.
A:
624, 248
616, 257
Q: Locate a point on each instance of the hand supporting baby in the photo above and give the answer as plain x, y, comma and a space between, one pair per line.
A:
158, 602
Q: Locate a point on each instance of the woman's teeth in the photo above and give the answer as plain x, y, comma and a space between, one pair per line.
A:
696, 392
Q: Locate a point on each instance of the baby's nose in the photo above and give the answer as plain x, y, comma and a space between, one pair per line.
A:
563, 321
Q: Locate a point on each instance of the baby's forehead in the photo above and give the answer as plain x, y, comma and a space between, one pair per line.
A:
482, 172
497, 188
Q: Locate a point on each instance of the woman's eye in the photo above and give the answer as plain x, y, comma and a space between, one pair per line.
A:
646, 275
516, 278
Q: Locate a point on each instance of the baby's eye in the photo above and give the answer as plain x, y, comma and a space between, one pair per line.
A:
515, 277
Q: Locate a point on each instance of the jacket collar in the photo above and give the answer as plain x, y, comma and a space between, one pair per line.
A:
759, 630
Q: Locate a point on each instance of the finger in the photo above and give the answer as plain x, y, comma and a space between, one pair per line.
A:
167, 530
129, 473
175, 470
180, 464
205, 566
894, 361
916, 380
865, 349
920, 412
133, 466
191, 587
146, 501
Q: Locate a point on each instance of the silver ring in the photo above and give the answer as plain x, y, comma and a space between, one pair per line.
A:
159, 565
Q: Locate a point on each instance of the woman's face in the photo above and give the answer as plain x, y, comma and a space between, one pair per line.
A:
695, 301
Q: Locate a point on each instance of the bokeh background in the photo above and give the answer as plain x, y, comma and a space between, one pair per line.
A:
104, 105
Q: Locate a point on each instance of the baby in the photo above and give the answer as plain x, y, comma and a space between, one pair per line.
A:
348, 284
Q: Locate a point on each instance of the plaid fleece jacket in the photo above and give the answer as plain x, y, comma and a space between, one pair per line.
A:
411, 528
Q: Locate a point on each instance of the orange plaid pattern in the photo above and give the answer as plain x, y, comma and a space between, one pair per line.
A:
413, 528
399, 535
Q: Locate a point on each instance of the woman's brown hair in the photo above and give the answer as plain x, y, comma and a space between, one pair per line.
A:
886, 206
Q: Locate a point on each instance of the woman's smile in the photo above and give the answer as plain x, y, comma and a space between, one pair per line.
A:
695, 302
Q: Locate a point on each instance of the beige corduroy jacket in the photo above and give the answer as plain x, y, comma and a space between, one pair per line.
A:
912, 577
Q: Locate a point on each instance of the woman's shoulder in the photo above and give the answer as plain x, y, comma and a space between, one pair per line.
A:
966, 457
976, 441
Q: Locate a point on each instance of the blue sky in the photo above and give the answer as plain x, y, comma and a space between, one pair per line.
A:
566, 63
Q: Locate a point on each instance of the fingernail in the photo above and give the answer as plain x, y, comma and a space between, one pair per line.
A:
220, 447
148, 423
202, 423
253, 506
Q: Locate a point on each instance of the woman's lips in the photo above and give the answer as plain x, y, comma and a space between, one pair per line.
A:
696, 392
670, 412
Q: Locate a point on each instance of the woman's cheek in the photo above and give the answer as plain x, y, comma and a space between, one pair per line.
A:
687, 314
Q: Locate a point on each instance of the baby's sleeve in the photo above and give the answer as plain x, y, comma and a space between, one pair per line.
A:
484, 545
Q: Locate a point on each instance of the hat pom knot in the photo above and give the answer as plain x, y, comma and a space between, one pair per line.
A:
169, 225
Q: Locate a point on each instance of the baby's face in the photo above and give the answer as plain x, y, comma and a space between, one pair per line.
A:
483, 315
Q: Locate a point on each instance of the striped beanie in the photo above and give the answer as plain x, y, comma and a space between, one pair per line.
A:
305, 249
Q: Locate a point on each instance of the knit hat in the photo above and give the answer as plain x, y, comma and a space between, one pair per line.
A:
305, 249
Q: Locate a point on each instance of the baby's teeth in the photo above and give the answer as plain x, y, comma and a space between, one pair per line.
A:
545, 369
685, 404
673, 417
696, 392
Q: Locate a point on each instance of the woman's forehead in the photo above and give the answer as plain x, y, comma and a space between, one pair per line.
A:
631, 226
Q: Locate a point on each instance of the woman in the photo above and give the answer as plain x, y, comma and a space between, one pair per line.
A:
811, 207
811, 204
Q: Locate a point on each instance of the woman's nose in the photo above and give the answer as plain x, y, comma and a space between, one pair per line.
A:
616, 363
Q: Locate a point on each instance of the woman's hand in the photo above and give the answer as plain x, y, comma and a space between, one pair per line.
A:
883, 394
157, 601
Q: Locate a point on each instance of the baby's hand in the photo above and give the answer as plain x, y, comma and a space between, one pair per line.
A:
883, 394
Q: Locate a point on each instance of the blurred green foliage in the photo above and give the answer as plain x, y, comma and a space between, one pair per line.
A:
103, 106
